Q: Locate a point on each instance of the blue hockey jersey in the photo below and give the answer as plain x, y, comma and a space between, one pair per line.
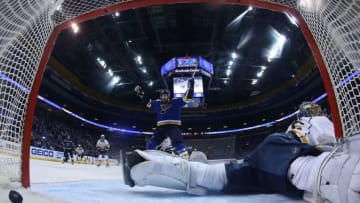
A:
68, 144
169, 112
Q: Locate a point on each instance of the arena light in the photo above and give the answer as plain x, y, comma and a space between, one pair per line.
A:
110, 72
259, 74
231, 63
139, 60
116, 79
238, 19
234, 55
228, 72
151, 83
75, 27
254, 81
277, 47
292, 19
117, 14
101, 62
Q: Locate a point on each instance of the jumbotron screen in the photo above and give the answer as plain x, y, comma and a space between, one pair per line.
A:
181, 83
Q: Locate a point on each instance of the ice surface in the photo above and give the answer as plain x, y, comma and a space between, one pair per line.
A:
54, 182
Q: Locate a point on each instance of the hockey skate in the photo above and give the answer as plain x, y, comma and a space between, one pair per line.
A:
165, 170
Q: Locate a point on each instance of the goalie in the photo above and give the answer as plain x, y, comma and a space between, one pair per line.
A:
294, 163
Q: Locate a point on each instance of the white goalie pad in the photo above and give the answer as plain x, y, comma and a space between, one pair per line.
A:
351, 144
167, 171
340, 179
159, 156
159, 175
198, 156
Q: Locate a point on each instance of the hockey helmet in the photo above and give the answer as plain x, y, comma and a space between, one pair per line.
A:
309, 109
165, 91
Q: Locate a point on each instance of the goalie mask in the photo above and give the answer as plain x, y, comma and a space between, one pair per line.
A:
309, 109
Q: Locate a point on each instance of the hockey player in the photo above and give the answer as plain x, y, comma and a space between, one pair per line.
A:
68, 147
103, 146
292, 163
168, 113
79, 150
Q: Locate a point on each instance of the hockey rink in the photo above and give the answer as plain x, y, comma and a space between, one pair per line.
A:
54, 182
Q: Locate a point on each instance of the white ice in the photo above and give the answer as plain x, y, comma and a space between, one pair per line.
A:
54, 182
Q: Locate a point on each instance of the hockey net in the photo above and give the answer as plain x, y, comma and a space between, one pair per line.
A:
28, 28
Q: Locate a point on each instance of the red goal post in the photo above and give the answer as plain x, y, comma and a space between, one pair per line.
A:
29, 28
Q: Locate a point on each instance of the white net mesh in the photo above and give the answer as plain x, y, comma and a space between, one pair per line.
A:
25, 26
24, 31
335, 26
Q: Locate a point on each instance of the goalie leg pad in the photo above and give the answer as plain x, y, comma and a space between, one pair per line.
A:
354, 188
158, 174
159, 156
351, 144
340, 179
198, 156
171, 172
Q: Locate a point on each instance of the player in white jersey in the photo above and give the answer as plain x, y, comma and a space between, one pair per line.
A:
293, 163
79, 150
103, 146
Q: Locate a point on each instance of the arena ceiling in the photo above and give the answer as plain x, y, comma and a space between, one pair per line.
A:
263, 67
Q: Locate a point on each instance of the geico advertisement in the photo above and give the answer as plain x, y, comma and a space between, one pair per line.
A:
46, 153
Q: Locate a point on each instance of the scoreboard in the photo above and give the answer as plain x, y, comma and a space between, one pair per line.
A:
179, 70
186, 64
